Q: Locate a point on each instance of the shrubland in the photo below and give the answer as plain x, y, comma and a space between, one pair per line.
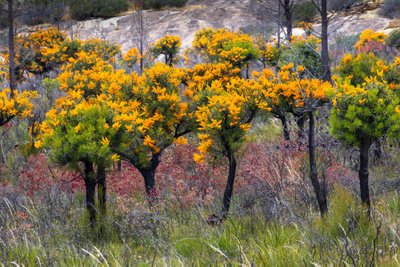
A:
234, 151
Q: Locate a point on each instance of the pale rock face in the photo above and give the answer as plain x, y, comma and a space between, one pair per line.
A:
233, 14
197, 14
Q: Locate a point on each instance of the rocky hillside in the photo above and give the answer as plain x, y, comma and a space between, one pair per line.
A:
231, 14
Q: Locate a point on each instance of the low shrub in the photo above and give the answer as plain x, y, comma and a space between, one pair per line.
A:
391, 9
157, 4
337, 5
393, 40
48, 11
93, 9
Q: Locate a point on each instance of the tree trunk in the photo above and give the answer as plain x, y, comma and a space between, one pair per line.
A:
363, 174
279, 27
141, 37
119, 165
11, 49
288, 19
101, 189
324, 42
300, 121
90, 184
285, 127
229, 185
149, 178
320, 190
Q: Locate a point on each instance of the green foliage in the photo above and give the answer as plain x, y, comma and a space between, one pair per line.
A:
80, 137
345, 43
303, 52
393, 39
157, 4
304, 11
248, 51
357, 68
92, 9
364, 114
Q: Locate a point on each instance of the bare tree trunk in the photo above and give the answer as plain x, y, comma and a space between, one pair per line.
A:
90, 184
320, 190
149, 174
363, 173
285, 127
288, 19
300, 121
324, 42
11, 48
226, 202
141, 25
279, 26
119, 165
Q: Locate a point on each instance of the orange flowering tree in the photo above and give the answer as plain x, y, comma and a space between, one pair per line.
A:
42, 51
301, 53
15, 104
168, 46
155, 113
294, 92
280, 100
226, 108
222, 45
80, 130
310, 94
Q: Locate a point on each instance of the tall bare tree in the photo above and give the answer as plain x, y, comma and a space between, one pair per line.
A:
139, 31
282, 12
13, 9
323, 6
8, 7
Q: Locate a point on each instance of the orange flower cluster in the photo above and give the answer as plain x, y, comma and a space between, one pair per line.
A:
289, 90
225, 46
168, 46
369, 36
132, 56
40, 51
268, 53
15, 104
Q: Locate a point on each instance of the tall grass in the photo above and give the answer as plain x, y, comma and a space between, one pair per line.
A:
31, 235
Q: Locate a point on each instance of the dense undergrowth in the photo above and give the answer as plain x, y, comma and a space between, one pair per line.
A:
55, 233
273, 222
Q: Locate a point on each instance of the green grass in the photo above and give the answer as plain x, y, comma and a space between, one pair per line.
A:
180, 238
